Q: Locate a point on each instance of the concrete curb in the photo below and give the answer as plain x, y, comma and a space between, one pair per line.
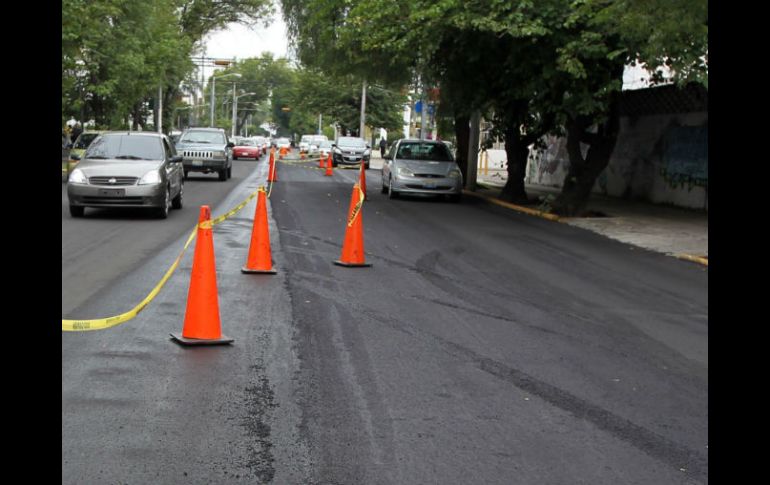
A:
551, 217
519, 208
694, 259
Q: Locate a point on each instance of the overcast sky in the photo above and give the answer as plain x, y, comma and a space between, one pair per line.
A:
243, 41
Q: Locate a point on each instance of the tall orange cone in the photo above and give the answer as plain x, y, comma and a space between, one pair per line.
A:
201, 322
329, 171
260, 259
271, 176
353, 246
362, 179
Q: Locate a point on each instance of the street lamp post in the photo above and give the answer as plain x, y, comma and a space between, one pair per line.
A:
235, 107
213, 90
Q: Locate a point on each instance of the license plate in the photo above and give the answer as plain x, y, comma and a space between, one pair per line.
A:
197, 163
112, 192
429, 186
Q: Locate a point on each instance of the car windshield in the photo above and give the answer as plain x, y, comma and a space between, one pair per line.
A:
434, 152
84, 140
324, 144
126, 147
247, 143
318, 139
213, 137
351, 142
306, 138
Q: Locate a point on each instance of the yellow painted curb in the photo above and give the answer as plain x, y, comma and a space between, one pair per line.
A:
519, 208
695, 259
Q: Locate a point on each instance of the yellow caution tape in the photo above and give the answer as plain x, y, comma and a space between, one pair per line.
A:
103, 323
357, 208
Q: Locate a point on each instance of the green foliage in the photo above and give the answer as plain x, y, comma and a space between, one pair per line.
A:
116, 53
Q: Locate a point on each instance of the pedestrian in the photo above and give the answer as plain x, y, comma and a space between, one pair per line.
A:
76, 131
383, 146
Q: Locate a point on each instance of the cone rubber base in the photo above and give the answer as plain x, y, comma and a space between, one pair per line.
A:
196, 341
246, 270
352, 265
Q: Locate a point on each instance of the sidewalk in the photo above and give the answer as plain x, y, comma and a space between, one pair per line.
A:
666, 229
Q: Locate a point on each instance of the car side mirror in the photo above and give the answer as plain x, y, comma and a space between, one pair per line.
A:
230, 144
74, 156
69, 145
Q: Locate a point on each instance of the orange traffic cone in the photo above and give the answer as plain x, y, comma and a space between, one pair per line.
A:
201, 322
271, 176
353, 246
362, 179
329, 171
260, 259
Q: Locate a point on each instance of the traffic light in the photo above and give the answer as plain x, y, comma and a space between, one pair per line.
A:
222, 62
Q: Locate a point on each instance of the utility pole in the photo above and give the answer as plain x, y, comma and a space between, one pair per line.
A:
423, 109
160, 109
473, 150
363, 110
320, 118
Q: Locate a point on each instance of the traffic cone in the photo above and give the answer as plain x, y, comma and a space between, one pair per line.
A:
353, 246
271, 176
201, 322
329, 171
260, 259
362, 179
321, 161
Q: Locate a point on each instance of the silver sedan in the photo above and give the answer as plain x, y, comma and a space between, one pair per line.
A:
128, 169
421, 167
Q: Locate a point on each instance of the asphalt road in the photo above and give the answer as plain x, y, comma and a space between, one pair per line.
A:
107, 243
482, 346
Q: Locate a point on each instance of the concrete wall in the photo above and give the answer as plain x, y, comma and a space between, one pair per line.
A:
661, 158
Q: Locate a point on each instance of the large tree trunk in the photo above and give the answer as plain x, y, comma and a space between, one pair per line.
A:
583, 172
517, 152
462, 134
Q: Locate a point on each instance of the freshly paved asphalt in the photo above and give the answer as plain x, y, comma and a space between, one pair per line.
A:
482, 346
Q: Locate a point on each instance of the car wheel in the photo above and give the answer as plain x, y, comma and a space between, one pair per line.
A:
185, 173
223, 174
163, 210
77, 211
230, 172
366, 166
177, 202
235, 158
383, 188
392, 194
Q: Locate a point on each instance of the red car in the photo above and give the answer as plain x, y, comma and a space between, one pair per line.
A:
246, 149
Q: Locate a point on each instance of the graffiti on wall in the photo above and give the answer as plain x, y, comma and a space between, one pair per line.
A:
685, 160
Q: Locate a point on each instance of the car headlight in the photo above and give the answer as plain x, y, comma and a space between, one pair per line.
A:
151, 177
78, 177
218, 153
405, 171
454, 173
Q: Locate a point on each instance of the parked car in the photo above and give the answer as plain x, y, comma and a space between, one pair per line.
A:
127, 169
351, 150
247, 148
324, 149
206, 150
79, 147
421, 167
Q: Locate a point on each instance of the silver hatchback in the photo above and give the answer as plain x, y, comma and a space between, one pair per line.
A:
128, 169
421, 167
